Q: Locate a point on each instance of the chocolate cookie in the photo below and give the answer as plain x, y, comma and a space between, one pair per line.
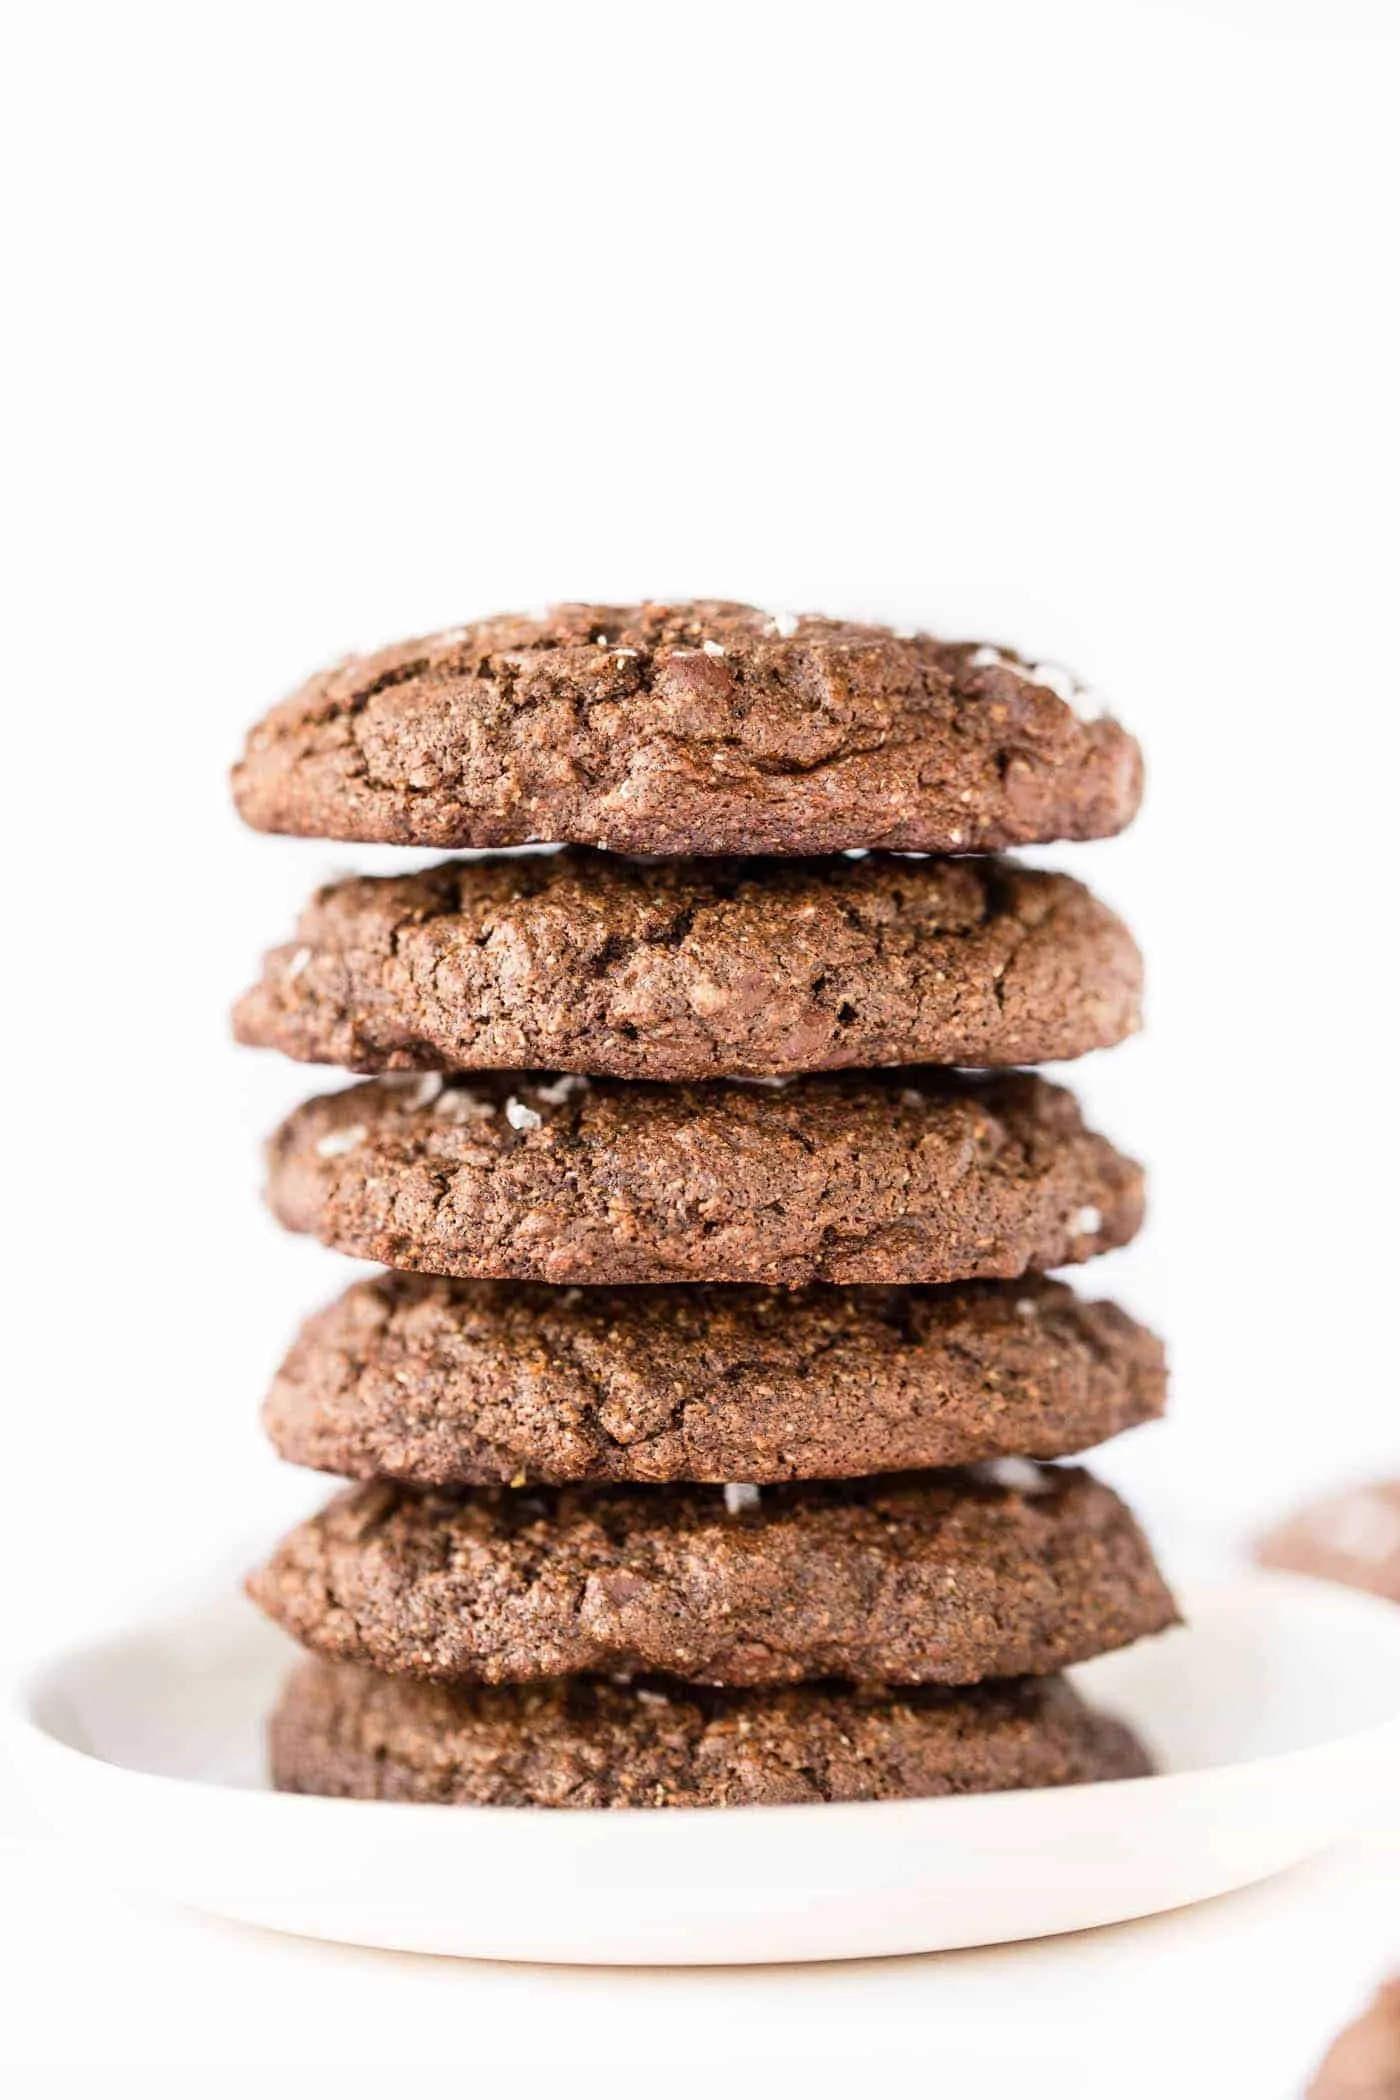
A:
448, 1384
1364, 2061
586, 1744
919, 1177
691, 970
1351, 1537
919, 1578
696, 728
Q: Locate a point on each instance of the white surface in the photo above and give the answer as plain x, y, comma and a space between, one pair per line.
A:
1065, 324
1275, 1714
1069, 324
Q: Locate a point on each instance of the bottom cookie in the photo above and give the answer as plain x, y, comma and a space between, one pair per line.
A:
590, 1743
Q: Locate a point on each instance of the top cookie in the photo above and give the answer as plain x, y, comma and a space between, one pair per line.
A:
704, 727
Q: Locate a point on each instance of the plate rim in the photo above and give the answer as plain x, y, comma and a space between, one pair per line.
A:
36, 1742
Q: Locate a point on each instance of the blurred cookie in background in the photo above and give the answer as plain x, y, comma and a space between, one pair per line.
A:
1351, 1537
1364, 2061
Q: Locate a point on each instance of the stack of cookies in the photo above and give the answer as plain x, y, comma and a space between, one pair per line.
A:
698, 1425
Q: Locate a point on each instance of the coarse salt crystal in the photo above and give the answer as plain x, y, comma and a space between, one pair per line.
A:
1062, 683
712, 648
645, 1697
520, 1117
784, 624
298, 962
1089, 1219
1019, 1474
336, 1142
456, 1105
740, 1495
1027, 1308
558, 1090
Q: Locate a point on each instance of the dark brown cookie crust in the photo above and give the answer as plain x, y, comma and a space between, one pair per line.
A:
691, 970
445, 1383
922, 1177
692, 728
930, 1578
586, 1744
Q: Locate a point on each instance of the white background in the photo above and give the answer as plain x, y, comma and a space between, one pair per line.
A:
1062, 323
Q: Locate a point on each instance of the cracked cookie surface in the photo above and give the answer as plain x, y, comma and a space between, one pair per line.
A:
922, 1176
912, 1579
583, 1743
444, 1383
691, 970
702, 727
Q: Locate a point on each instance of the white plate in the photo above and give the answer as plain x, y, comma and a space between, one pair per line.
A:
1274, 1714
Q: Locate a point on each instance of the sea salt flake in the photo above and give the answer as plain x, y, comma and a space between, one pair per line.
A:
712, 648
520, 1117
1018, 1474
558, 1091
337, 1142
784, 625
1061, 682
1087, 1220
298, 962
458, 1106
740, 1495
